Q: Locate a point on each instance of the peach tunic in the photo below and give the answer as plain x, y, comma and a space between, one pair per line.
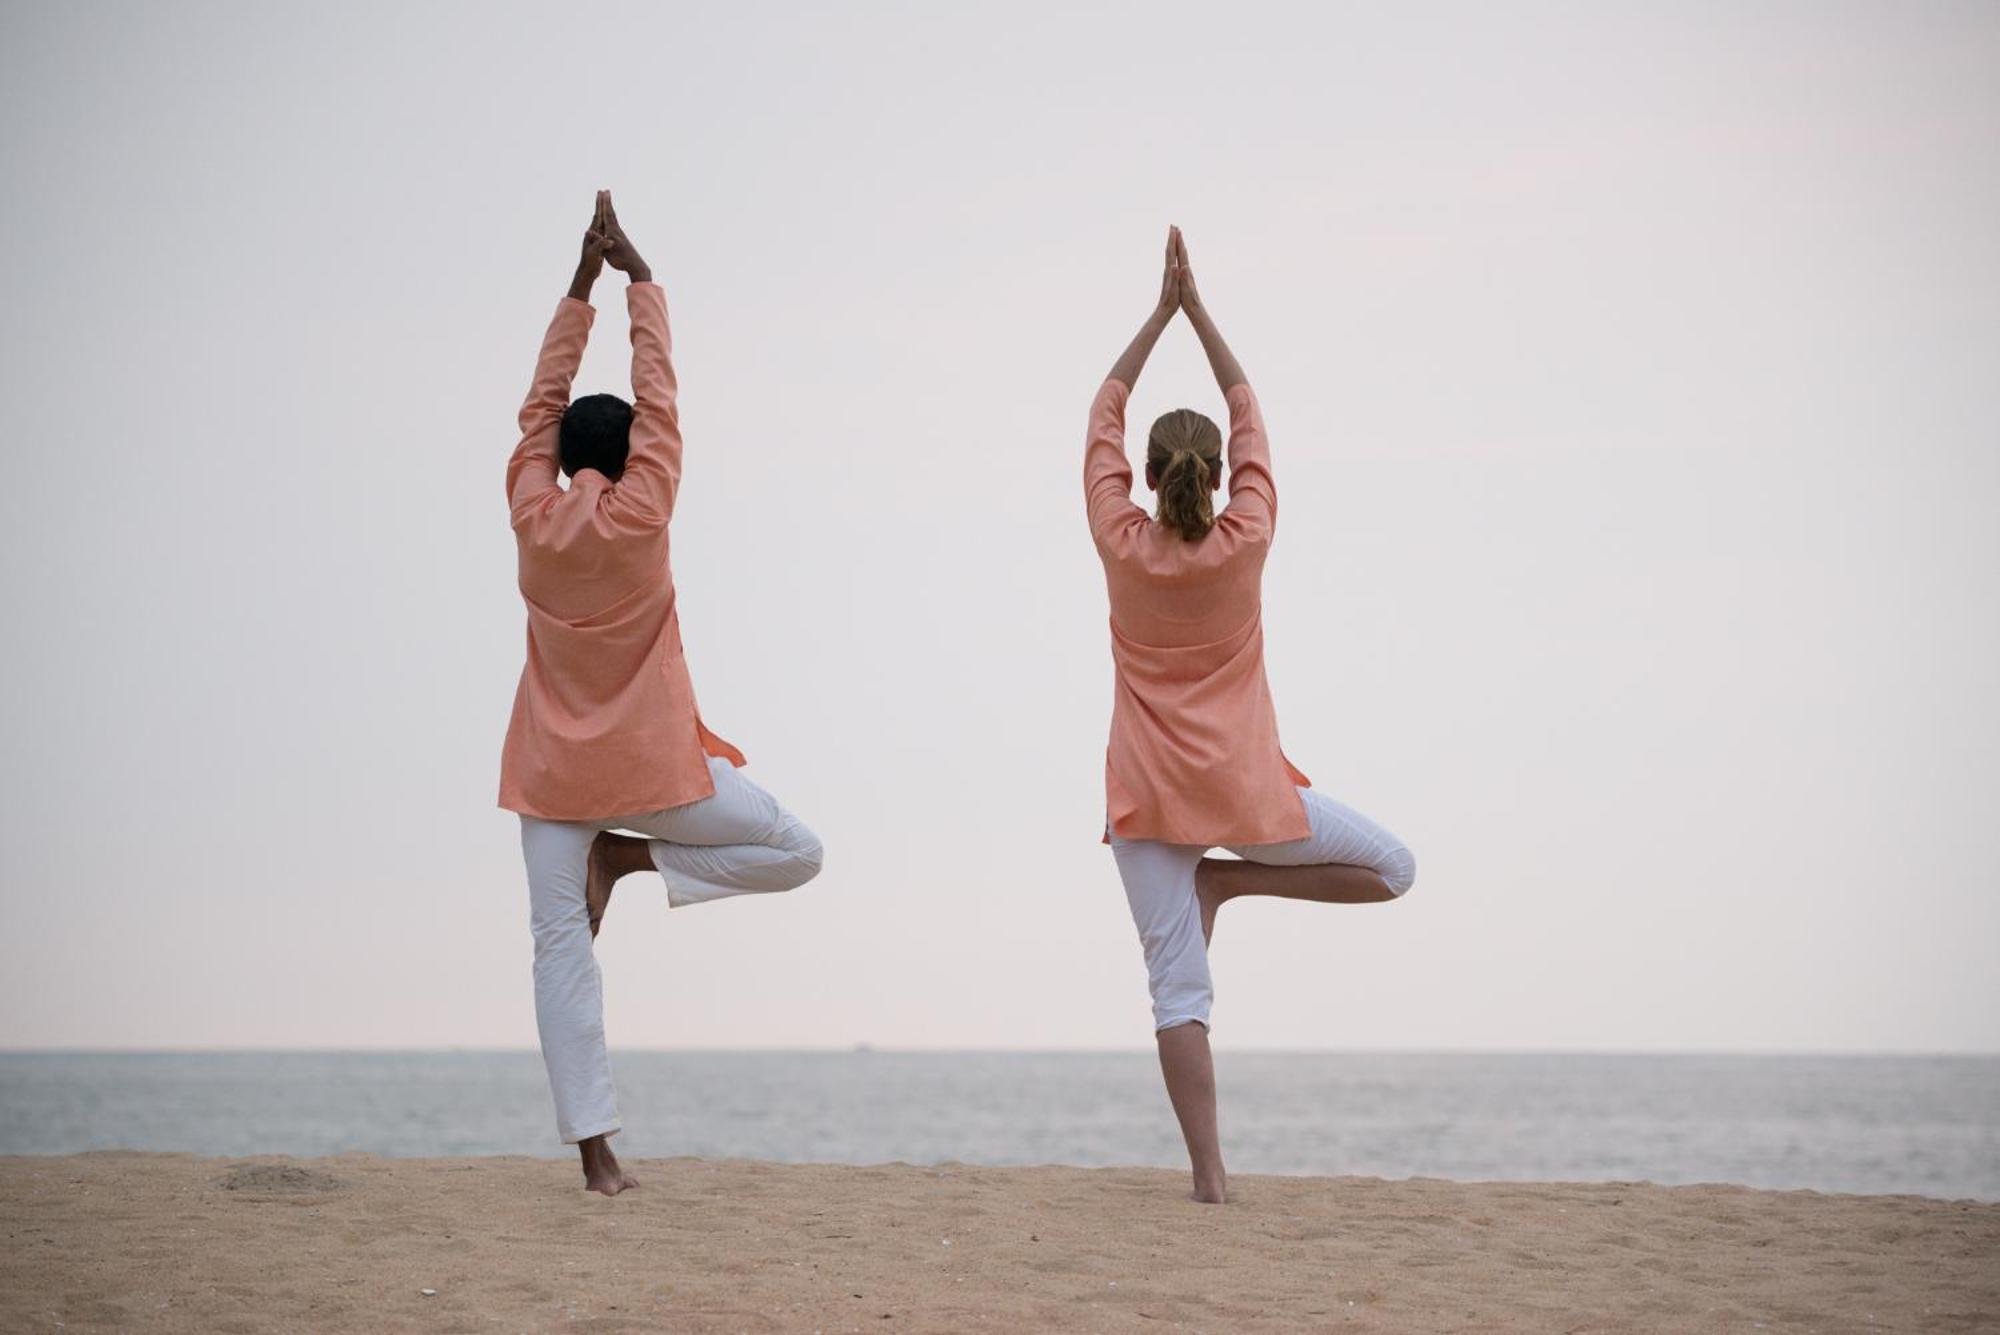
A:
605, 722
1194, 756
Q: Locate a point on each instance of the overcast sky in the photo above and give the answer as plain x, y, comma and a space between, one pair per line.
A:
1631, 379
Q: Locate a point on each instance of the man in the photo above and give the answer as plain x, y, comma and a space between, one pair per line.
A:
605, 733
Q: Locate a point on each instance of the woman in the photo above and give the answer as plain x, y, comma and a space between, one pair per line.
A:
1193, 761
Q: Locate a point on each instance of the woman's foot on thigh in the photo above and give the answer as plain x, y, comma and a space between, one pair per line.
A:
1210, 890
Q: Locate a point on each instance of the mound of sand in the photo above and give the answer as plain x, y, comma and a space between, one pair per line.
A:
277, 1179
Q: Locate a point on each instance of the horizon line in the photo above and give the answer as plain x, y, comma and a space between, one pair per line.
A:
872, 1049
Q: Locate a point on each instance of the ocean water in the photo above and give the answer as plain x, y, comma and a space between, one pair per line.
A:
1921, 1125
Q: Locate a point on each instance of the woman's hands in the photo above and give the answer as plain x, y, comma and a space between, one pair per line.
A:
1171, 295
1133, 360
1178, 293
1228, 372
1190, 299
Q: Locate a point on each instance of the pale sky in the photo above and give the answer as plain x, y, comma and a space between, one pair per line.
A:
1633, 380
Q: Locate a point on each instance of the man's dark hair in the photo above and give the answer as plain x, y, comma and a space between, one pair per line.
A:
596, 433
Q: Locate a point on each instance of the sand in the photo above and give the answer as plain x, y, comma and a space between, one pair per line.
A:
359, 1243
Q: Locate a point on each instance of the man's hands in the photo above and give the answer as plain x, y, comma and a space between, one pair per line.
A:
605, 242
595, 245
620, 254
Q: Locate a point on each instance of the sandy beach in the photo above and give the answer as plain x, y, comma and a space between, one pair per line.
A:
360, 1243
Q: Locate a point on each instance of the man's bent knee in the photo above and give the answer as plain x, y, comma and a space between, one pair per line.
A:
1399, 872
808, 856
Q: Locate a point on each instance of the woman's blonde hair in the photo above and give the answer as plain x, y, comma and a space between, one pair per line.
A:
1185, 452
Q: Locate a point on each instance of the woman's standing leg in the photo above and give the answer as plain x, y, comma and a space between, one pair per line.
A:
1189, 1070
1159, 887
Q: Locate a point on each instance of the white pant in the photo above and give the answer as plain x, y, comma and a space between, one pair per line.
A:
1159, 885
737, 842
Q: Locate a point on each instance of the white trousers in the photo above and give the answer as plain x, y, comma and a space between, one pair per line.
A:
1159, 885
738, 841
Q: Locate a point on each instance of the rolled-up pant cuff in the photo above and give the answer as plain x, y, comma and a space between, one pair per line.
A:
573, 1137
1174, 1021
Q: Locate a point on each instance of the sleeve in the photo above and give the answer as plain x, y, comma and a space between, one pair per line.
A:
1107, 473
531, 471
1253, 496
652, 477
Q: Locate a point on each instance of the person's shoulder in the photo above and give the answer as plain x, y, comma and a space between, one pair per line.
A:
546, 518
1126, 529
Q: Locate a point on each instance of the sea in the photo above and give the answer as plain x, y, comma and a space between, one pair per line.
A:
1927, 1126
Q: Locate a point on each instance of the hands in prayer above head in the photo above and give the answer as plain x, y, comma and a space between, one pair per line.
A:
1174, 278
1178, 293
605, 242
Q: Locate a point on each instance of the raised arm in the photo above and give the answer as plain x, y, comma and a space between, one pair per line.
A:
1107, 473
645, 491
1253, 494
1228, 372
531, 469
1133, 360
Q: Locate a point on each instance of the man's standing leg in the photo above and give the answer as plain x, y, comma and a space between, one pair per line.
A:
569, 997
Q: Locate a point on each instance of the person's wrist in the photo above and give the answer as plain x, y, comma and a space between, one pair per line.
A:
639, 273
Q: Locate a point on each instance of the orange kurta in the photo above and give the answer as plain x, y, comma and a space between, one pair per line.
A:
605, 722
1194, 756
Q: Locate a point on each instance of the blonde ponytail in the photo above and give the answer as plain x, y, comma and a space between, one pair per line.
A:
1184, 451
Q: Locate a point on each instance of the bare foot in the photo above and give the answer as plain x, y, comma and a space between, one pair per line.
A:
1211, 1193
611, 856
600, 1167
